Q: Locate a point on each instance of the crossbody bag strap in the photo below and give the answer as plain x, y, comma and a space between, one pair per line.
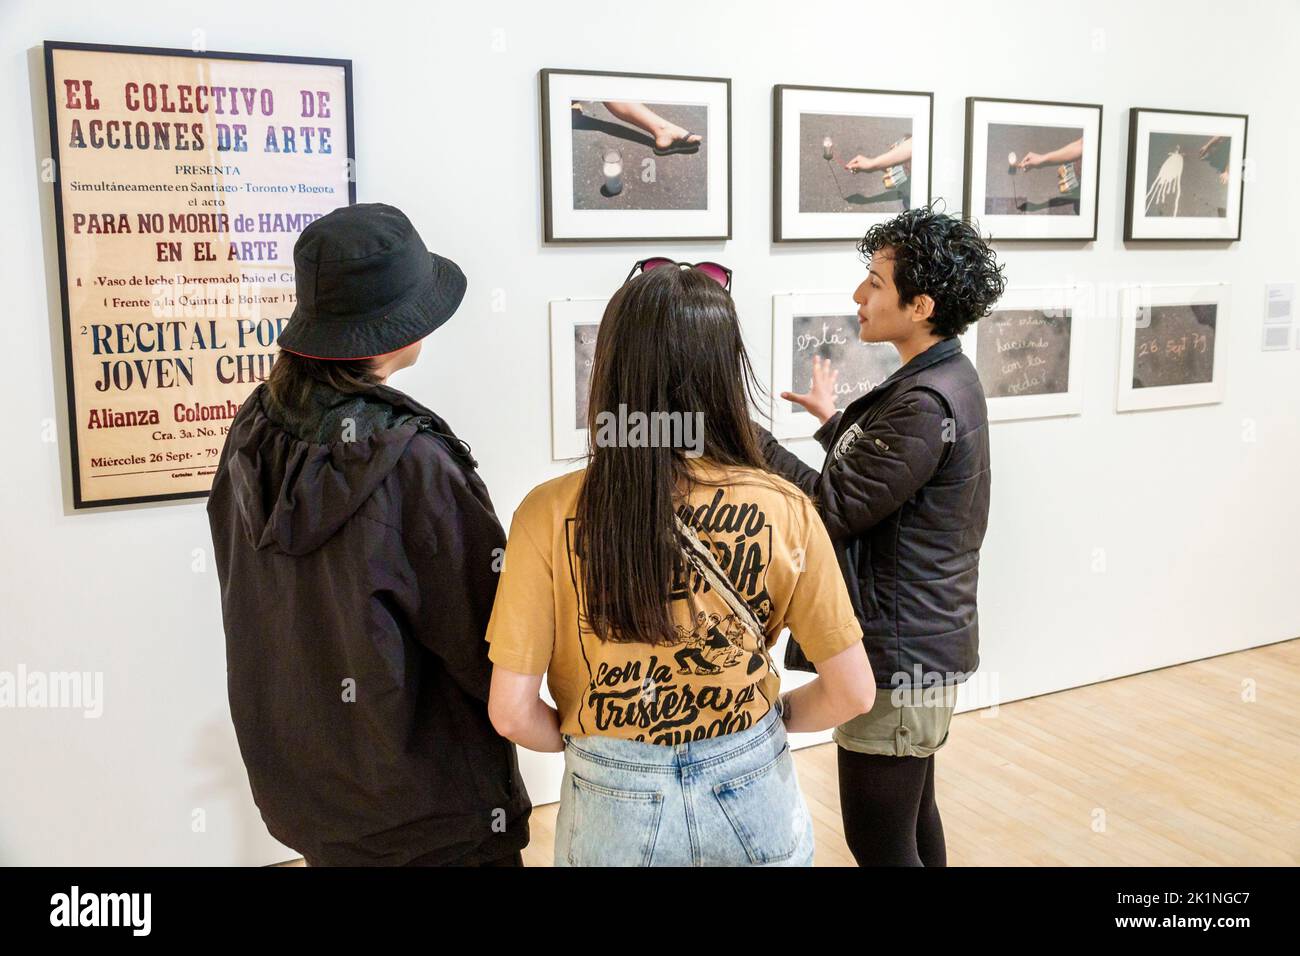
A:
703, 560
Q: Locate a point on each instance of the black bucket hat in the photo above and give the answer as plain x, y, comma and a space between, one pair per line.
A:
367, 285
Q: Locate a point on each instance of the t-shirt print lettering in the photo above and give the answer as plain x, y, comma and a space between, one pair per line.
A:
713, 678
710, 680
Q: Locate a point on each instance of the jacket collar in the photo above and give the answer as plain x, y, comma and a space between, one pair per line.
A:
377, 408
428, 421
933, 355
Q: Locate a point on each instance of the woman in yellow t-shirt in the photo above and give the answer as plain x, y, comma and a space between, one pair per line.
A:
650, 586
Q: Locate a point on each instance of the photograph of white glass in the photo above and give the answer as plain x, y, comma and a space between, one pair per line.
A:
635, 156
654, 140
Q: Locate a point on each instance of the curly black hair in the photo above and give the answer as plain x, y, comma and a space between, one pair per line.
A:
944, 257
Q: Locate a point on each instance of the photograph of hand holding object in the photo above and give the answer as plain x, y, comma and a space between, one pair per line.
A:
895, 163
1054, 186
830, 183
1031, 168
844, 160
1067, 167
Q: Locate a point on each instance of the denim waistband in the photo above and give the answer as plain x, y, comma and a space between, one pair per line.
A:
639, 755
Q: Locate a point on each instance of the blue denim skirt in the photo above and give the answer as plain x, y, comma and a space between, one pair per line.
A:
725, 801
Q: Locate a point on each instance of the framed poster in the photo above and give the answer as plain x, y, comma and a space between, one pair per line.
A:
183, 182
1029, 353
844, 159
821, 324
635, 156
1185, 175
1031, 168
1169, 354
574, 324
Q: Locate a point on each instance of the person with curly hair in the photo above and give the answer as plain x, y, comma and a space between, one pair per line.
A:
904, 493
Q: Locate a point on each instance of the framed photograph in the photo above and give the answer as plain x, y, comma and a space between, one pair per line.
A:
1185, 175
1169, 353
635, 157
823, 324
1029, 353
574, 324
1031, 168
844, 160
184, 180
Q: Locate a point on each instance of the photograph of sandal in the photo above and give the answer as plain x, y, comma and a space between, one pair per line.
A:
681, 144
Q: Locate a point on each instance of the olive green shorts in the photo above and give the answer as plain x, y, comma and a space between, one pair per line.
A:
917, 728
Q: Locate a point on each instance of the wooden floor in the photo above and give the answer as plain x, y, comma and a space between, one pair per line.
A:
1169, 768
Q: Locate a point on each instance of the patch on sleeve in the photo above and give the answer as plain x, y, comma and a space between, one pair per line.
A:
846, 441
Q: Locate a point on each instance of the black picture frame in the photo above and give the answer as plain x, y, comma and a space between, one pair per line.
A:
50, 47
968, 167
548, 219
778, 94
1130, 178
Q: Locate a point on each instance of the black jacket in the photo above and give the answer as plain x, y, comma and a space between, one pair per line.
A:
356, 550
904, 493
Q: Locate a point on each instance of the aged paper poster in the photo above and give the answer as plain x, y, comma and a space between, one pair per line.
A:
183, 181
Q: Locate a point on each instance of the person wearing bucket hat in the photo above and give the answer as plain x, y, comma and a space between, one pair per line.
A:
356, 549
367, 286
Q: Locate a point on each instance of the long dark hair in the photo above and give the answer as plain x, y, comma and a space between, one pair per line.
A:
293, 376
669, 341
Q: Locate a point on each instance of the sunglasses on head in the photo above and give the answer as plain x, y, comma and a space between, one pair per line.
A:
718, 273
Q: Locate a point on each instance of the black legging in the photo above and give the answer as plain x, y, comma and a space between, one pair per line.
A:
890, 817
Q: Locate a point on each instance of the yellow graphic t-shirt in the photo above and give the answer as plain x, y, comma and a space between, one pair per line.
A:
712, 680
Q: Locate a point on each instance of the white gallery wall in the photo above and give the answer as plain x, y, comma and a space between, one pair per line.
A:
1117, 542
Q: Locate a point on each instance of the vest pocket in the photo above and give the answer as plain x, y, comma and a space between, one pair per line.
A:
764, 809
613, 827
865, 579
